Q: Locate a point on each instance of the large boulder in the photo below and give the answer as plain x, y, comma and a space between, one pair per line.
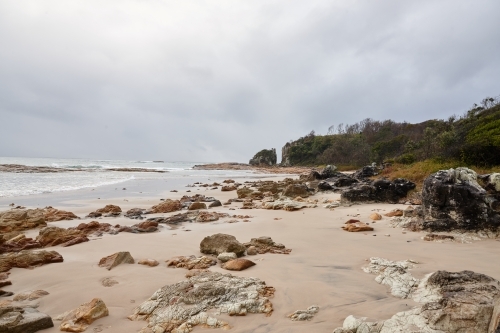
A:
166, 206
52, 236
453, 200
52, 215
265, 157
23, 319
79, 319
179, 307
28, 259
220, 243
380, 190
17, 243
21, 219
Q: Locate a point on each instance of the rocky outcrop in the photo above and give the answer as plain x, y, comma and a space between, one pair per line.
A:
21, 219
140, 228
51, 215
79, 319
109, 209
450, 303
28, 259
52, 236
265, 244
182, 306
228, 188
453, 200
166, 206
366, 172
219, 243
175, 219
207, 217
23, 319
116, 259
380, 190
301, 315
264, 157
191, 262
328, 172
17, 243
238, 264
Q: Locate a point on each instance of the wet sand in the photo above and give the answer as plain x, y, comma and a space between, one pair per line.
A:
324, 267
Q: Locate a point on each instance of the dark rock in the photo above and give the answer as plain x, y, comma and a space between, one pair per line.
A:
215, 203
380, 190
295, 190
452, 199
135, 213
25, 319
366, 172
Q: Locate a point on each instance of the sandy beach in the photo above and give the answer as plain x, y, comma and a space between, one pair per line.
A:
323, 269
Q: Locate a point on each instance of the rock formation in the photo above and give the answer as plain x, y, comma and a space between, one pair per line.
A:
453, 200
296, 190
21, 219
51, 215
380, 190
219, 243
23, 319
356, 226
450, 303
166, 206
79, 319
265, 244
197, 205
28, 259
52, 236
191, 262
265, 157
181, 306
116, 259
301, 315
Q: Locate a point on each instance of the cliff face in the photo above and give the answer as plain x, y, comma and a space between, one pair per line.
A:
264, 157
285, 154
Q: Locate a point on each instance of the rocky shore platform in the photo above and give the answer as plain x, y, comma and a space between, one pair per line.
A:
321, 252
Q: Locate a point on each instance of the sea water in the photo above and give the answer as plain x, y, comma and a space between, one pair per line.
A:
91, 174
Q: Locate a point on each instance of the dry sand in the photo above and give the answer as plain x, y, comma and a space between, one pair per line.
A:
324, 267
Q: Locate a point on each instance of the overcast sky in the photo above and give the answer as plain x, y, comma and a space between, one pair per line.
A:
215, 81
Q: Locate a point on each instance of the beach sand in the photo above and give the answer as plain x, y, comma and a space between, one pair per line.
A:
324, 267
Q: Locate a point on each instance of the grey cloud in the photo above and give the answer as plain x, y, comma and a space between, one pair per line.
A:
218, 81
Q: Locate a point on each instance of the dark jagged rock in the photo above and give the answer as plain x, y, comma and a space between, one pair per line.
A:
264, 157
453, 200
135, 213
23, 319
295, 190
380, 190
366, 172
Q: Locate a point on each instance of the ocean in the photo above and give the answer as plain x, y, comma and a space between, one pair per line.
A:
93, 174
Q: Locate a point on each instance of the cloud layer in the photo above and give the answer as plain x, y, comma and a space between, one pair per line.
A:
219, 80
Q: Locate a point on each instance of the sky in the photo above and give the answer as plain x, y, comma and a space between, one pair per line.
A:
217, 81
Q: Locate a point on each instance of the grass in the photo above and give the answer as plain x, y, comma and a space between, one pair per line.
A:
418, 171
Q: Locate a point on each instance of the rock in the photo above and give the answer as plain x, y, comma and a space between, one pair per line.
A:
109, 209
169, 310
324, 186
94, 228
215, 203
79, 319
116, 259
285, 204
214, 292
191, 262
207, 217
28, 259
375, 216
52, 236
395, 212
228, 181
265, 244
143, 227
17, 319
17, 243
148, 262
219, 243
197, 205
245, 192
265, 157
135, 213
328, 172
21, 219
226, 256
228, 188
366, 172
248, 205
166, 206
294, 190
434, 237
252, 251
453, 200
493, 182
394, 274
51, 215
301, 315
451, 303
238, 264
356, 226
380, 190
30, 295
176, 219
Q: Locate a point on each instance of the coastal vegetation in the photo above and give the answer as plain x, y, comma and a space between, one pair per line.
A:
472, 139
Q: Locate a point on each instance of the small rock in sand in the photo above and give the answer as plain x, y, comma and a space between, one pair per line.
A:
301, 315
375, 216
238, 264
148, 262
116, 259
